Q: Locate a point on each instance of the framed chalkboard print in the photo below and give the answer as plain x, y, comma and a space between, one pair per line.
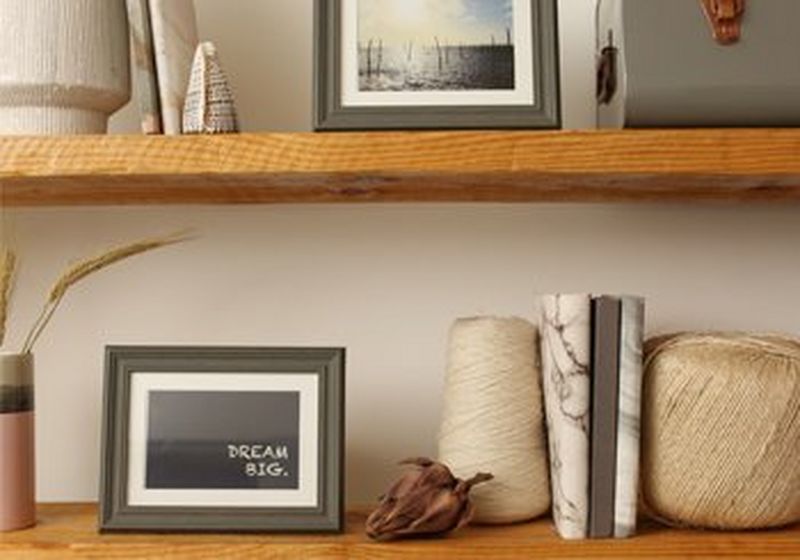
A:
223, 439
434, 64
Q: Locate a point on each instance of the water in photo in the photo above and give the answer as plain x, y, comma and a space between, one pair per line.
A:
435, 45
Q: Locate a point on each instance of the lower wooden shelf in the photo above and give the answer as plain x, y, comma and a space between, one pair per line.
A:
69, 531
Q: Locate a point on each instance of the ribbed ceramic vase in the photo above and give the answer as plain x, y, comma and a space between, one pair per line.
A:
64, 65
17, 473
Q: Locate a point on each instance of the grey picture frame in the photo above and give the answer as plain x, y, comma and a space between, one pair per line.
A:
122, 362
329, 114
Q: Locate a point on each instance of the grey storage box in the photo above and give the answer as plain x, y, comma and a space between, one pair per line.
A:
665, 63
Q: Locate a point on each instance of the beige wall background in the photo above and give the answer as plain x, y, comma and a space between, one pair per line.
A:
384, 281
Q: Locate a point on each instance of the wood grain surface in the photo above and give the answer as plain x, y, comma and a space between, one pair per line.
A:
592, 166
69, 531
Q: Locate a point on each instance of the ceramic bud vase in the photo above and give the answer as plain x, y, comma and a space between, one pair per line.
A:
64, 65
17, 476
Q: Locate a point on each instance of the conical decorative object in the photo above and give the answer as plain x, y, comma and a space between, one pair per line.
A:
209, 107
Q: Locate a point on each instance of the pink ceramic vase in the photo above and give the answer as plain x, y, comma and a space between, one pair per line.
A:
17, 473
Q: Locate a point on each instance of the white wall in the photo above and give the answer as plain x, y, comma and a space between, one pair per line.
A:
385, 281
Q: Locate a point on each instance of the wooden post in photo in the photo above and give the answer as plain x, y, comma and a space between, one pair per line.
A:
369, 58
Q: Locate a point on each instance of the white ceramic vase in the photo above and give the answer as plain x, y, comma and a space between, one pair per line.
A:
64, 65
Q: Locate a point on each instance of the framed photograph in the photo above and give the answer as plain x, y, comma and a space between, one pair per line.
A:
223, 439
433, 64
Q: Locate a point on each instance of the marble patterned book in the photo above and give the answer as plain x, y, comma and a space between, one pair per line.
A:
175, 39
629, 415
605, 385
144, 66
566, 372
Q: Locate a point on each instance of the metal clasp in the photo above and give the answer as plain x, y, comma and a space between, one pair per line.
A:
725, 18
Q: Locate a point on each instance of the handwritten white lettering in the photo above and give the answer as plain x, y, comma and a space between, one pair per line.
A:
260, 460
262, 470
256, 452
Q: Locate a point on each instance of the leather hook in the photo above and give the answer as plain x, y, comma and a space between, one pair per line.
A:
725, 18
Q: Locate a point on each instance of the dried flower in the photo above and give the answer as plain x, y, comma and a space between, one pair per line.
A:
426, 500
85, 268
7, 266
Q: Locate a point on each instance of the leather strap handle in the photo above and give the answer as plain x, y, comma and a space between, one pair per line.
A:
725, 18
607, 72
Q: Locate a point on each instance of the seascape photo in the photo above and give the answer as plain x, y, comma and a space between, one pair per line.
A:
436, 45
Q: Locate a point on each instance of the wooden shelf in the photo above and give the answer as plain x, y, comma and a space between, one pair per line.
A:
596, 166
69, 531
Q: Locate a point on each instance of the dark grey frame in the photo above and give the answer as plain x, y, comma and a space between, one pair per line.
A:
123, 361
330, 115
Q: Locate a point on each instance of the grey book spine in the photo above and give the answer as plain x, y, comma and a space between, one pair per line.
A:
629, 415
144, 66
605, 383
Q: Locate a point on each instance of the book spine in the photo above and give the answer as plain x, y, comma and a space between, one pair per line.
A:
629, 416
144, 66
566, 372
605, 383
175, 40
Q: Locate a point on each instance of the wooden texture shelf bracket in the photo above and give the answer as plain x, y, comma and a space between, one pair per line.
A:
759, 165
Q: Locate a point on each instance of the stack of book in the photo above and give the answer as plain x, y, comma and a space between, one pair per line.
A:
163, 42
591, 351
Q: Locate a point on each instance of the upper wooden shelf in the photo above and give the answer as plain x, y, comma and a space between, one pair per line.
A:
70, 531
592, 166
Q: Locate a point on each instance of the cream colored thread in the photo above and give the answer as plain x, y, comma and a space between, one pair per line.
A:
493, 420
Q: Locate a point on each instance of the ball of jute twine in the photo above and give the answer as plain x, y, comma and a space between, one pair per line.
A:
493, 417
721, 430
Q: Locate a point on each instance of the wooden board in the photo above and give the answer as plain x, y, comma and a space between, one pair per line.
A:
596, 166
69, 531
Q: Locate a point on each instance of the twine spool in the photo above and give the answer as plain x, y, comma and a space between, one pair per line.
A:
721, 431
493, 419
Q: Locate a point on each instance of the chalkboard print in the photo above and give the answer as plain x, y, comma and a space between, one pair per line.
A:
223, 440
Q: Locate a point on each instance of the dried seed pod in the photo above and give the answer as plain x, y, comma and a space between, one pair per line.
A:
425, 500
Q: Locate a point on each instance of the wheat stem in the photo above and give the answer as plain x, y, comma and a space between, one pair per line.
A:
78, 272
41, 322
7, 267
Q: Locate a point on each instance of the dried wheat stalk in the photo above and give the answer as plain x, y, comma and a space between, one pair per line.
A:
78, 272
7, 267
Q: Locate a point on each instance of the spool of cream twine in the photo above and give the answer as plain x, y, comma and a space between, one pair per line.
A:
493, 418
